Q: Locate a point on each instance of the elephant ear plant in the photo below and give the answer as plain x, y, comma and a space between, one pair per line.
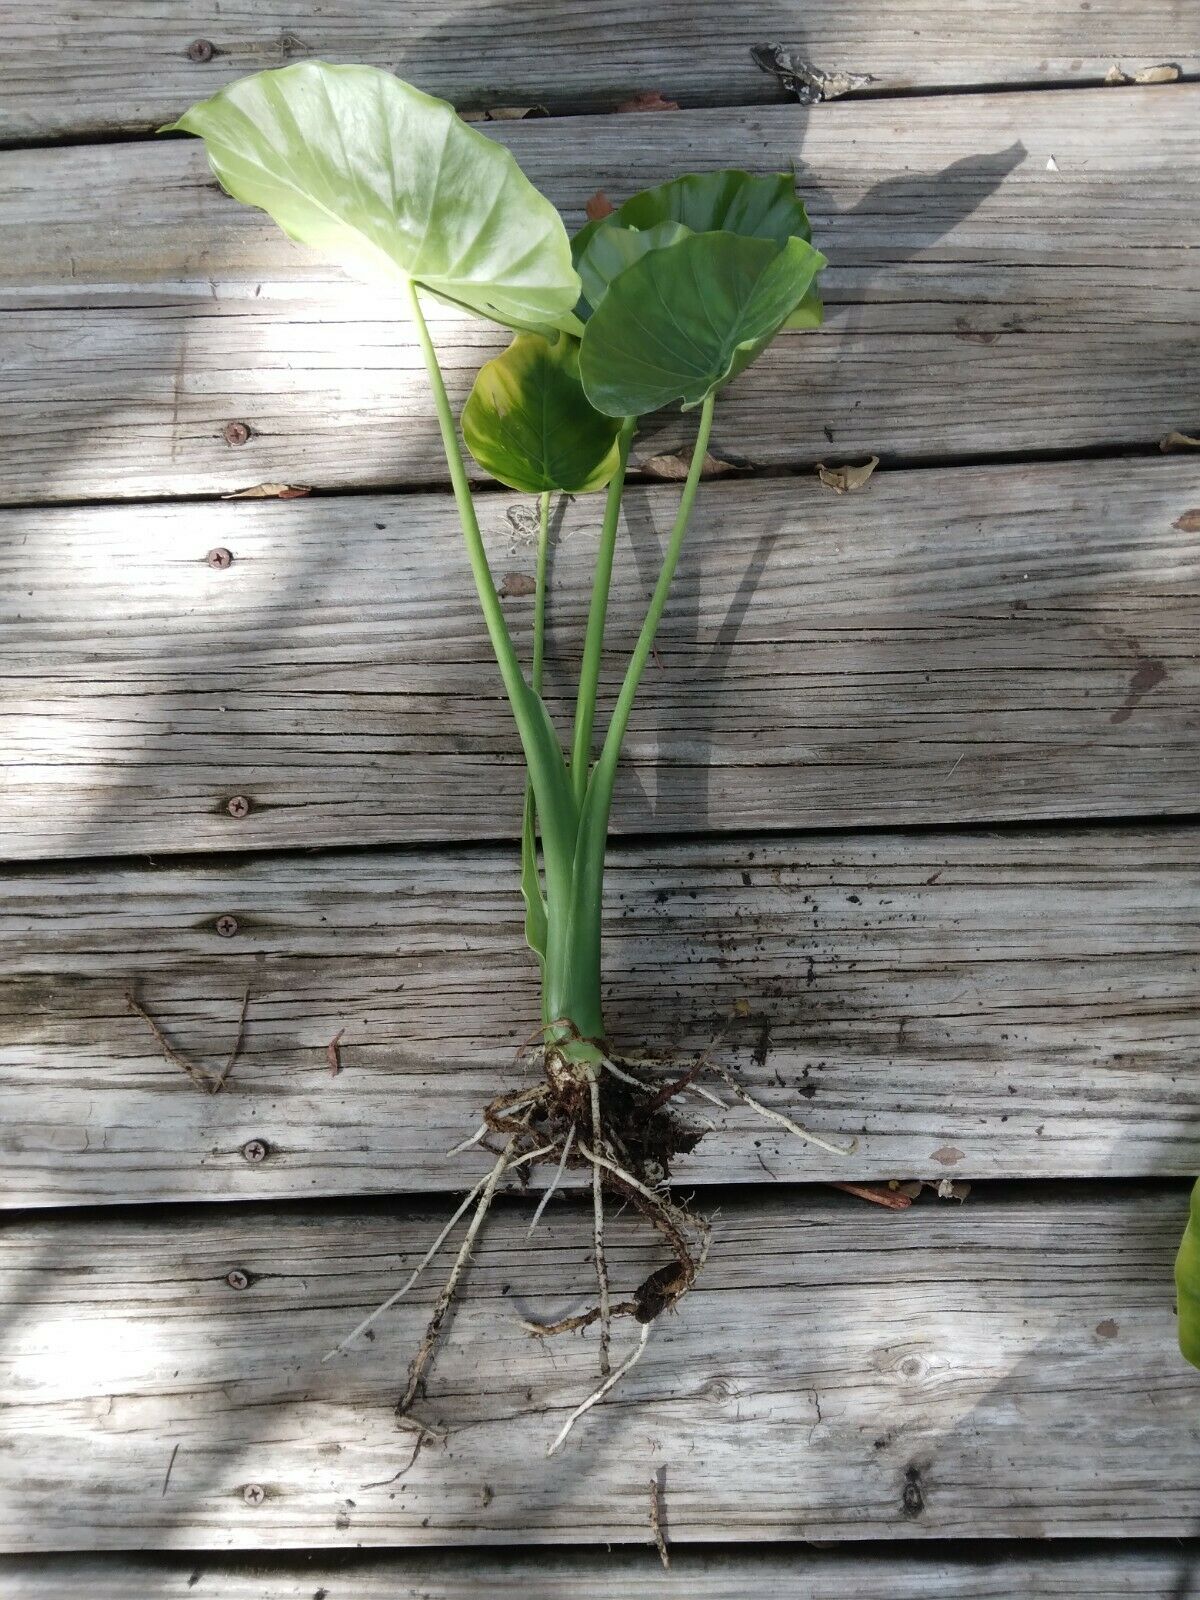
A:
664, 301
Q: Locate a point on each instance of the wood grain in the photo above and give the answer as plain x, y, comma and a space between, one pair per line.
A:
953, 645
67, 72
969, 1006
1011, 273
840, 1373
785, 1573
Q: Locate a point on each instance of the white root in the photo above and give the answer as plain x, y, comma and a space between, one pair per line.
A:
481, 1132
778, 1117
598, 1394
437, 1244
554, 1182
681, 1219
625, 1077
598, 1233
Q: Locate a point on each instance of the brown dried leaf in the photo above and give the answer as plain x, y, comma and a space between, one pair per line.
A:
649, 100
599, 206
1165, 72
1178, 441
270, 491
953, 1189
675, 466
333, 1055
1189, 522
514, 585
846, 480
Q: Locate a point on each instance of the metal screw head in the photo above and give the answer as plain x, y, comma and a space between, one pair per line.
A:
254, 1150
237, 1279
219, 558
253, 1494
235, 433
201, 50
226, 926
238, 806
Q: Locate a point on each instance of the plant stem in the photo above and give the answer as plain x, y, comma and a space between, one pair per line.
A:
572, 980
593, 645
615, 737
539, 594
557, 810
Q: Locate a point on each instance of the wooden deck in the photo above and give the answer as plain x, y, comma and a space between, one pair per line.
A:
911, 791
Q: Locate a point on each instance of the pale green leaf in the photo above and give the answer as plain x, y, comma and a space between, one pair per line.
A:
392, 184
728, 201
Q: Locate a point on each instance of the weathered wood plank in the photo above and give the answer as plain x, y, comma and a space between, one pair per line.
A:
968, 1006
69, 72
1008, 1369
788, 1573
1011, 273
954, 645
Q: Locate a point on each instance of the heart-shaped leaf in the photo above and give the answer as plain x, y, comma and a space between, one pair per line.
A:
682, 321
528, 422
609, 251
391, 183
729, 201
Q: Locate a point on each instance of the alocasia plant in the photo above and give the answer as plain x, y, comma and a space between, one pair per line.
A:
666, 300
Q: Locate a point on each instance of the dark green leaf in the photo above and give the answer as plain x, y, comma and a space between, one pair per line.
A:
391, 183
611, 250
730, 201
682, 321
528, 422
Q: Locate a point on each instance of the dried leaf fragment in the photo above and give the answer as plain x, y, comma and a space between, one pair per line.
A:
270, 491
675, 466
515, 585
847, 479
804, 80
1178, 441
1114, 75
1189, 522
1165, 72
953, 1189
333, 1055
599, 207
504, 114
649, 100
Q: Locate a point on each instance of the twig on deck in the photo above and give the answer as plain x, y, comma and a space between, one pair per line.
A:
219, 1081
203, 1079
